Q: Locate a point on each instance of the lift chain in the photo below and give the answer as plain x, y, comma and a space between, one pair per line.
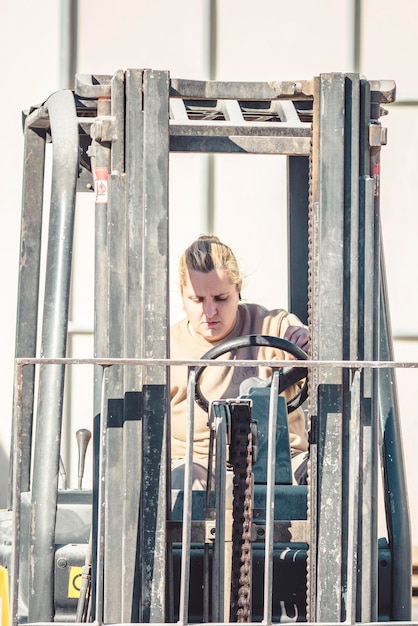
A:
241, 458
312, 484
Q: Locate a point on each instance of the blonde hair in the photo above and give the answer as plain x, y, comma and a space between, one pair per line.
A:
206, 254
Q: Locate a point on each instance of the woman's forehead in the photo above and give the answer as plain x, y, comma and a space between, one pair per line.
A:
212, 283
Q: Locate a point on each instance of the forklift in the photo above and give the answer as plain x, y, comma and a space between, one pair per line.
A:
131, 549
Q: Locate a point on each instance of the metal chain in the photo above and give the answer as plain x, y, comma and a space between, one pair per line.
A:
241, 460
311, 479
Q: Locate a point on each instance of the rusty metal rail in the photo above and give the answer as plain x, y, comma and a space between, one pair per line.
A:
107, 362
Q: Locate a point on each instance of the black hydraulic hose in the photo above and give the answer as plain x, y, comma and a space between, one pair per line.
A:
64, 133
395, 489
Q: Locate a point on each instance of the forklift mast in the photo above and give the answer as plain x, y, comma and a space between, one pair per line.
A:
143, 550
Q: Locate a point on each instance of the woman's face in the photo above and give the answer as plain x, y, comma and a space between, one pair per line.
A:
211, 302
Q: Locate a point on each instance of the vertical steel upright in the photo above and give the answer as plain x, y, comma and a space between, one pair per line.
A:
109, 178
29, 281
344, 322
326, 328
155, 329
132, 433
129, 152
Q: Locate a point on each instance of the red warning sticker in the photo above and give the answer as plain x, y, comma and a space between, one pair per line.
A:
101, 185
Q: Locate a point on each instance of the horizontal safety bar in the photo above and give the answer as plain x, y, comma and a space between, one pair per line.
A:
107, 362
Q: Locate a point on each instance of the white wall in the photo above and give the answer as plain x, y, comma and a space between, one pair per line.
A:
278, 40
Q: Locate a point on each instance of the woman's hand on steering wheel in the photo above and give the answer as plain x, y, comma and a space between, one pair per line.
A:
289, 378
298, 335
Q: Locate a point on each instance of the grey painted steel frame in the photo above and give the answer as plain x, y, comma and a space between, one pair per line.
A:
114, 272
132, 311
141, 242
326, 327
326, 322
344, 286
368, 339
346, 326
155, 328
57, 115
132, 433
29, 280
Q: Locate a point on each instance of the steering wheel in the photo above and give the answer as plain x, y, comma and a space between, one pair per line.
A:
290, 377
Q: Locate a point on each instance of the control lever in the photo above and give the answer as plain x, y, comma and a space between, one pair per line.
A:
83, 436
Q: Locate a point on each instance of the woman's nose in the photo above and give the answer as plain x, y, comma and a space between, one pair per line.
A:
209, 308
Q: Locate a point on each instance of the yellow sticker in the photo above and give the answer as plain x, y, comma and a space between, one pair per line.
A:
4, 597
74, 582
